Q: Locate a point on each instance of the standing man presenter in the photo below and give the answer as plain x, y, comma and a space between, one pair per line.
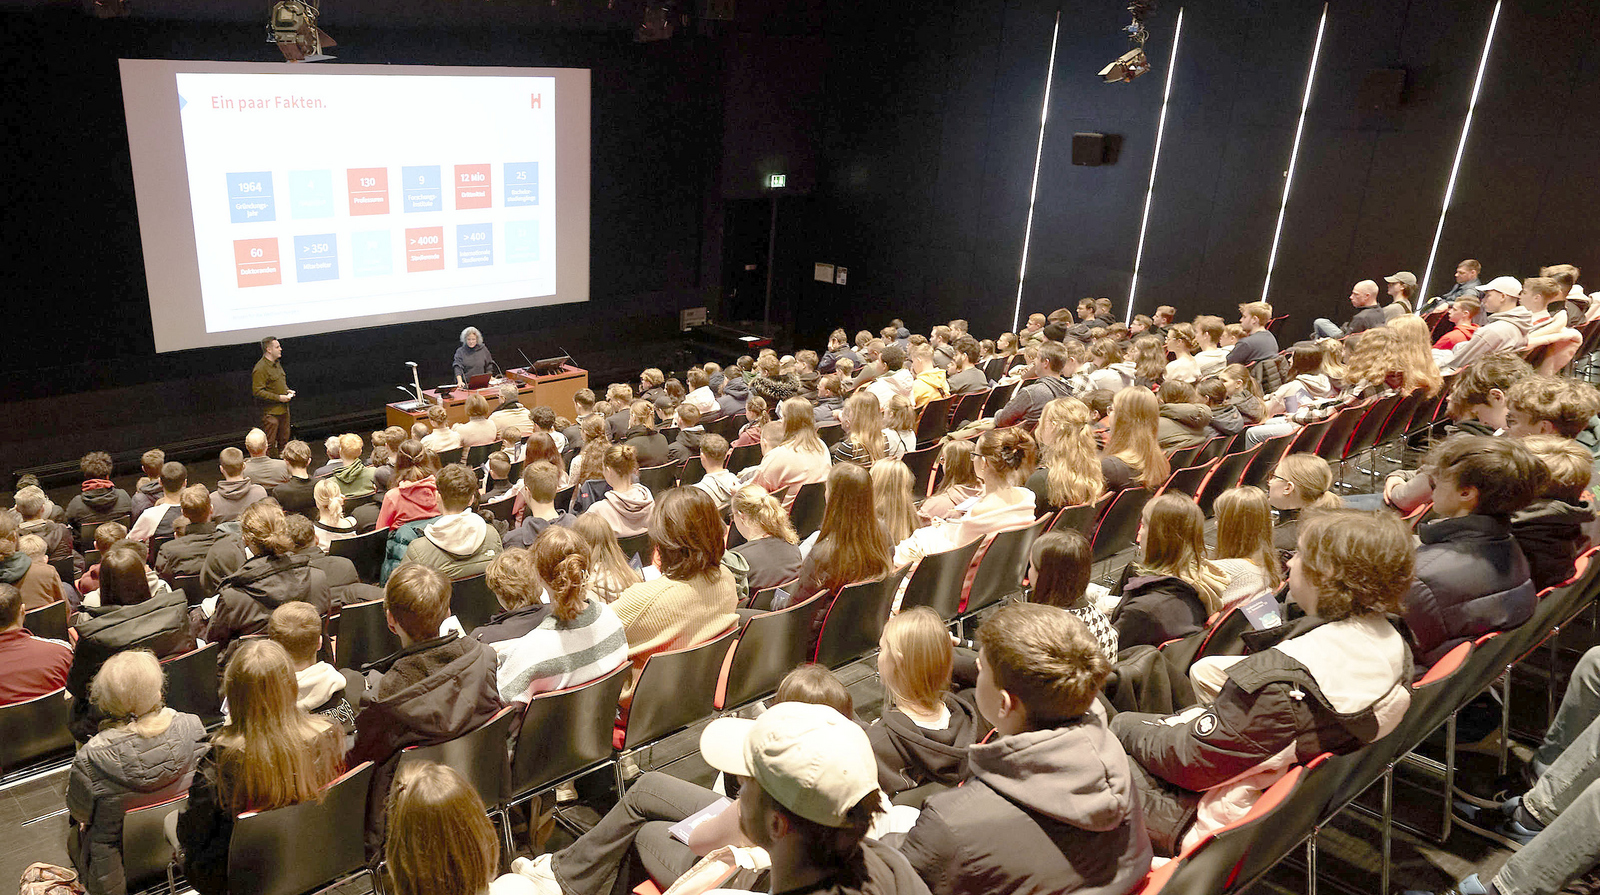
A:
272, 393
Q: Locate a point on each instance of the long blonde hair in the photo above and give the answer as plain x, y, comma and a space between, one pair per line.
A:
439, 840
1311, 478
1067, 449
607, 564
1132, 438
863, 421
800, 426
270, 753
916, 659
1175, 544
891, 490
591, 460
1244, 530
1416, 354
754, 503
956, 458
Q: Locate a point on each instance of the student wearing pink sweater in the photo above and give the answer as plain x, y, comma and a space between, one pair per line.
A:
799, 459
1004, 459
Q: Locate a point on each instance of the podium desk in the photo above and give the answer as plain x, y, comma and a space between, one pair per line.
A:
554, 390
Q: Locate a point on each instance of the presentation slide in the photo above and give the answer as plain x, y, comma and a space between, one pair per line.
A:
288, 200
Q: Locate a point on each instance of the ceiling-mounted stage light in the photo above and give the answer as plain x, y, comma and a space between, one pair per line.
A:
293, 27
1133, 63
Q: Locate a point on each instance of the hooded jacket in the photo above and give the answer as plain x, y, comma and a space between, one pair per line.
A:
649, 445
1471, 579
145, 495
355, 479
1044, 811
627, 511
1028, 403
100, 501
232, 498
119, 769
410, 501
1183, 426
321, 691
460, 545
159, 624
930, 385
429, 692
1303, 389
1551, 535
38, 581
910, 756
1312, 687
686, 445
1226, 420
532, 526
1155, 609
186, 555
58, 540
261, 585
1114, 377
1003, 510
1505, 331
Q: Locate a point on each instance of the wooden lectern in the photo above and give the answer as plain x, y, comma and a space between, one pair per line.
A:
554, 390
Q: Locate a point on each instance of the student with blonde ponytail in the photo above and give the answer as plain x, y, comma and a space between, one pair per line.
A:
1244, 544
270, 754
1069, 470
1005, 457
573, 640
1174, 588
272, 575
769, 538
628, 505
1301, 482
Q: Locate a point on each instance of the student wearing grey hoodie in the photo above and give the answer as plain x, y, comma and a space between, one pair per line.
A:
1507, 329
460, 543
1051, 804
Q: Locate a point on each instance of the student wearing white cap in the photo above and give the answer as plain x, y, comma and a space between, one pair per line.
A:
1506, 329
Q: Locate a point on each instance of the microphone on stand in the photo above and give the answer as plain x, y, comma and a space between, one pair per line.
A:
525, 360
415, 382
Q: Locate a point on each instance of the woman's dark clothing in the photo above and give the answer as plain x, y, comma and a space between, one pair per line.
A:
1157, 608
773, 561
470, 362
649, 445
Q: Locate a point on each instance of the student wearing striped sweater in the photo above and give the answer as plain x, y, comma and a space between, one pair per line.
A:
573, 640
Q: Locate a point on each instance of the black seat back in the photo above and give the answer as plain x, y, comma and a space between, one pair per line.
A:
364, 635
472, 602
938, 578
293, 850
1001, 564
365, 552
584, 716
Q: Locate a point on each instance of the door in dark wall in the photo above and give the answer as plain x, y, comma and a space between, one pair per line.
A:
746, 225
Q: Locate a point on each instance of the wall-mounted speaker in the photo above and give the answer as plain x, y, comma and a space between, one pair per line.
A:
1382, 90
1096, 149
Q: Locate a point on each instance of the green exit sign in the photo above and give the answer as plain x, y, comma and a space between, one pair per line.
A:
777, 181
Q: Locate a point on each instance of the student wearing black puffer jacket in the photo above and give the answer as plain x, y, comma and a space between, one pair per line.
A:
272, 576
1173, 588
1332, 682
1472, 578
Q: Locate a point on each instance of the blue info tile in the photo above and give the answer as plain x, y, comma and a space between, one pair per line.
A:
522, 242
421, 187
522, 183
311, 194
475, 245
316, 258
371, 253
250, 197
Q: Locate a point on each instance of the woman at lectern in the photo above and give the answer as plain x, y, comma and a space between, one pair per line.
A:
472, 358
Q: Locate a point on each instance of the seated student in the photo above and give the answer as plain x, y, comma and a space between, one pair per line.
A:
1225, 416
864, 443
1173, 588
694, 599
1334, 683
296, 494
1184, 422
129, 616
440, 841
612, 572
38, 582
234, 493
335, 462
572, 641
1005, 458
687, 444
509, 412
435, 688
1183, 343
799, 458
891, 495
756, 415
1050, 383
1059, 568
345, 587
649, 445
1308, 383
1245, 550
1506, 329
443, 438
99, 500
1542, 405
1132, 456
627, 505
1300, 482
964, 376
1049, 805
141, 750
157, 521
770, 540
1471, 577
1244, 393
34, 665
331, 523
829, 406
1210, 357
459, 542
269, 754
718, 481
478, 428
148, 489
260, 468
104, 535
271, 575
355, 478
959, 484
928, 381
1069, 472
35, 510
415, 494
297, 628
1462, 314
540, 482
1551, 530
496, 477
925, 730
1254, 342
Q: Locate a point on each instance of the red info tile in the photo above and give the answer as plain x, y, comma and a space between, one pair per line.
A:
424, 249
473, 184
369, 190
256, 262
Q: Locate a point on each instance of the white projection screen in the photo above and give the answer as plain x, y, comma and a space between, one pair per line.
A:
287, 200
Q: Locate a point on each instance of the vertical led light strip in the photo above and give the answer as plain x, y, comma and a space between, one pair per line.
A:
1033, 191
1461, 148
1155, 159
1294, 153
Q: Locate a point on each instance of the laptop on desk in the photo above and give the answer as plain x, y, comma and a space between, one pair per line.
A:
479, 381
